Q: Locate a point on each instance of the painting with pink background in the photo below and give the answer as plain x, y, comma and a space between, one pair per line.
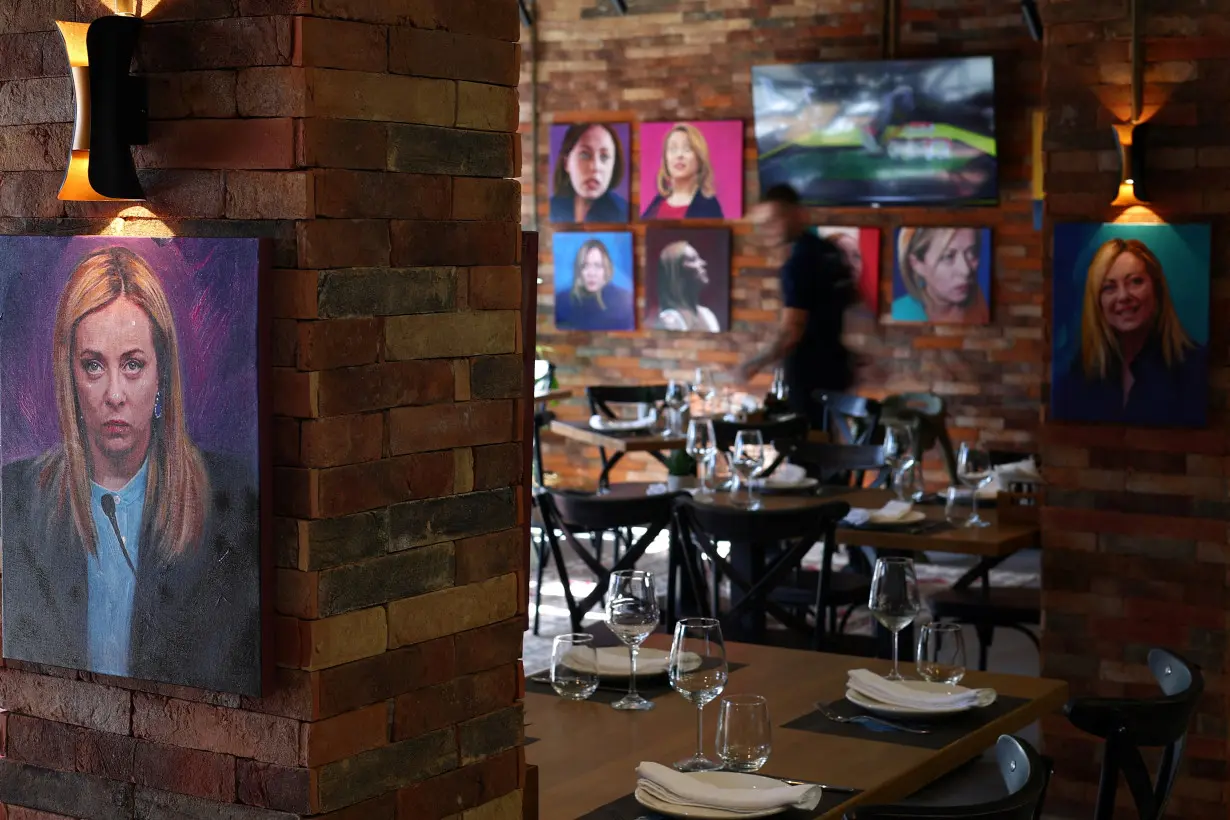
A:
724, 141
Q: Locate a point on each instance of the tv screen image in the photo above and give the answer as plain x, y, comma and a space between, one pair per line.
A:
894, 132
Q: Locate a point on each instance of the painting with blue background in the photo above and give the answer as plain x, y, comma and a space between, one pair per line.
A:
1165, 389
605, 305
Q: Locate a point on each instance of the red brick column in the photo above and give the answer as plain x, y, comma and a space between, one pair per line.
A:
1135, 542
373, 141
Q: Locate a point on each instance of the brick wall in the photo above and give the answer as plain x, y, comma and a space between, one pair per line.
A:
691, 60
1135, 532
373, 142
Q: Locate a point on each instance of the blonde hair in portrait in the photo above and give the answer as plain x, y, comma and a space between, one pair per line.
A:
177, 488
705, 184
579, 293
913, 244
1099, 345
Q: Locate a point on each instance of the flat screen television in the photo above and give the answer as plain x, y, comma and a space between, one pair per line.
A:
893, 132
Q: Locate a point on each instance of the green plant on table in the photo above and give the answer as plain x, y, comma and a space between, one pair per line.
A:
679, 463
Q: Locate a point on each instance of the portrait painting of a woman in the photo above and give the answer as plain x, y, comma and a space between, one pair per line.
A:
861, 249
692, 170
589, 179
593, 281
943, 276
129, 549
1131, 342
688, 286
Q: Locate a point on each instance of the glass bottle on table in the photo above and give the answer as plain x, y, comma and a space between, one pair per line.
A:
894, 600
632, 613
701, 446
974, 471
698, 671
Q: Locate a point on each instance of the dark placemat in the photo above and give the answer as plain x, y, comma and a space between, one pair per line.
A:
943, 732
649, 687
626, 808
921, 528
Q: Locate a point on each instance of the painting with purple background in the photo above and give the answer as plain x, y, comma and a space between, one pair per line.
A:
590, 172
130, 433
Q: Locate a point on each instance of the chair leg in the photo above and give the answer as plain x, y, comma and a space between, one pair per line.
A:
540, 548
985, 634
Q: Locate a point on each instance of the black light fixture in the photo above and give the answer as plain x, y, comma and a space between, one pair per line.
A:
112, 109
1033, 19
527, 18
1128, 134
621, 6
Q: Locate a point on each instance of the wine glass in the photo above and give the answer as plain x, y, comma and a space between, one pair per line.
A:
676, 400
698, 672
974, 470
894, 599
574, 666
898, 455
702, 444
632, 614
744, 732
704, 387
941, 652
748, 460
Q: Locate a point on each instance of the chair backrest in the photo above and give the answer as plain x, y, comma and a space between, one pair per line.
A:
601, 397
1128, 725
587, 512
837, 463
927, 418
850, 419
1026, 775
776, 430
723, 523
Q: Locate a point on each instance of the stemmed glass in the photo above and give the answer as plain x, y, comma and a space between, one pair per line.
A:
898, 450
698, 672
974, 470
632, 614
704, 387
702, 445
894, 599
676, 400
748, 460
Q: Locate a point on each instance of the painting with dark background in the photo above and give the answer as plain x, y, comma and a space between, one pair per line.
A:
687, 279
129, 439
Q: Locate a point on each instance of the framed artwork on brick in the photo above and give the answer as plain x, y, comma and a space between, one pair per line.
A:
1131, 324
594, 288
131, 444
590, 172
691, 170
942, 275
861, 247
687, 279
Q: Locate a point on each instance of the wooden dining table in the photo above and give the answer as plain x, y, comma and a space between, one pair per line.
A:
586, 753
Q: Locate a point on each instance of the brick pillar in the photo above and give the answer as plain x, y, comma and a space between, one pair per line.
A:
1135, 542
373, 141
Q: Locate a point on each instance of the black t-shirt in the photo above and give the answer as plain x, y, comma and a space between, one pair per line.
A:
816, 279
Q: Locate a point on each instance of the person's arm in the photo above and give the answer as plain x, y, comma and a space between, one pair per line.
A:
794, 323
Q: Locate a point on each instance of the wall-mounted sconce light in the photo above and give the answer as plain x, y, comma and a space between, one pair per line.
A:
527, 17
621, 6
1033, 19
112, 110
1128, 134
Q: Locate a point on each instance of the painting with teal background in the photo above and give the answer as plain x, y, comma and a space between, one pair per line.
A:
942, 275
594, 288
1131, 324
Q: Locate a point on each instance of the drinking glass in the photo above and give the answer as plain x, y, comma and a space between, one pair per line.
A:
632, 614
698, 672
941, 652
974, 470
702, 444
748, 460
704, 387
898, 452
744, 736
894, 599
676, 400
957, 502
574, 666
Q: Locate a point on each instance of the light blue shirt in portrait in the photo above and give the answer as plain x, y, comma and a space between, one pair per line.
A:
111, 582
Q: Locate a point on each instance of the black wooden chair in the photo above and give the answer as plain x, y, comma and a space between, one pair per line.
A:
601, 397
767, 546
849, 419
572, 514
1127, 725
1025, 773
927, 419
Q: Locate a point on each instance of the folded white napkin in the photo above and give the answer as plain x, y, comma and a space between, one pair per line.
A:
890, 513
786, 475
868, 683
614, 661
597, 422
663, 489
1024, 470
677, 788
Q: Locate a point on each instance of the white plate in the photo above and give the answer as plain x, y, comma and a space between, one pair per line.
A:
768, 485
613, 662
722, 780
912, 517
882, 709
